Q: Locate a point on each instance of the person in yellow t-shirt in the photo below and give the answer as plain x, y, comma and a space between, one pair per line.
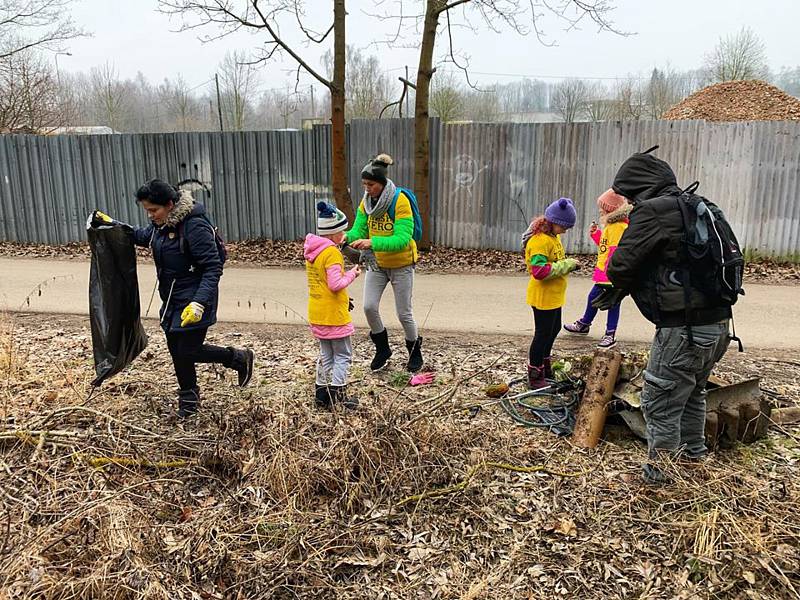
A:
547, 287
384, 225
614, 211
329, 306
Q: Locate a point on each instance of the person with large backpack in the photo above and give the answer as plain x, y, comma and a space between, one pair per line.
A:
189, 257
682, 265
388, 223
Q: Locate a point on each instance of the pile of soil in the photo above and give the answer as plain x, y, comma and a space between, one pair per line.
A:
737, 101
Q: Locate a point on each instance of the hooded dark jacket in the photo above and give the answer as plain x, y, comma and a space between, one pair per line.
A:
649, 259
191, 275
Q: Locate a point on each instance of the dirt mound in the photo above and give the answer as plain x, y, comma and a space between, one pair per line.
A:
737, 101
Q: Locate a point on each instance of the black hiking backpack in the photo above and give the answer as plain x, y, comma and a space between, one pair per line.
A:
715, 263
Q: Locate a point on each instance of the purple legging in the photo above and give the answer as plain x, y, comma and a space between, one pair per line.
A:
591, 312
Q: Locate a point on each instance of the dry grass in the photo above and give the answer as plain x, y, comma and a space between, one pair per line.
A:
262, 496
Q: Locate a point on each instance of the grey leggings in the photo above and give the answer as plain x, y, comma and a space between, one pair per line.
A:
334, 361
402, 280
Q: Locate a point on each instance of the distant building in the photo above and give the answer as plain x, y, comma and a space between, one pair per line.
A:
82, 130
528, 117
309, 123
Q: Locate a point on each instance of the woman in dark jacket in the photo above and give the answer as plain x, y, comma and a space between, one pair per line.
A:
188, 266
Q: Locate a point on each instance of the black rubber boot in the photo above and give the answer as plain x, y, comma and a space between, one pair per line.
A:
322, 396
339, 396
188, 402
242, 363
382, 350
415, 361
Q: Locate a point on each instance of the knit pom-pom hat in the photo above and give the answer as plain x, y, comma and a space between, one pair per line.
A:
330, 219
609, 201
375, 169
561, 212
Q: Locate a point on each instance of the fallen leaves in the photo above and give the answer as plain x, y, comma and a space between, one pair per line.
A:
440, 259
276, 499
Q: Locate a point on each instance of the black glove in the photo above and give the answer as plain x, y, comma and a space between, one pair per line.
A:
351, 254
350, 305
609, 298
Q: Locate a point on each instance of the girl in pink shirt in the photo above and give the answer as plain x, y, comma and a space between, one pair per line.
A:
329, 306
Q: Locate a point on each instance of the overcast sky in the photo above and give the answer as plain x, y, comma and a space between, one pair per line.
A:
134, 36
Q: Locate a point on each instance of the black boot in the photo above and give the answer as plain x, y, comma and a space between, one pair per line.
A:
382, 350
339, 395
242, 363
188, 402
415, 361
322, 396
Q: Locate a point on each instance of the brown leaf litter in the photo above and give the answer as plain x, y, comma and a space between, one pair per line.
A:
262, 496
440, 259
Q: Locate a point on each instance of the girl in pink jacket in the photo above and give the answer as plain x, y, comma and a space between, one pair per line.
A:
329, 306
614, 210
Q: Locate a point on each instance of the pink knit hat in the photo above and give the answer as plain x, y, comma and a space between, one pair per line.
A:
609, 201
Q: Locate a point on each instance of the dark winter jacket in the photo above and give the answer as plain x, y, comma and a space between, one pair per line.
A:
191, 275
649, 260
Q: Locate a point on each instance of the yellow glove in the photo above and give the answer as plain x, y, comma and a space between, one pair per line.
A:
572, 264
192, 314
98, 219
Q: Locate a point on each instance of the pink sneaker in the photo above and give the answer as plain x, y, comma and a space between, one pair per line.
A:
578, 328
607, 341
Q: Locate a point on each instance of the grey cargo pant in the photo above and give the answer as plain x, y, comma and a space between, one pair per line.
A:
674, 393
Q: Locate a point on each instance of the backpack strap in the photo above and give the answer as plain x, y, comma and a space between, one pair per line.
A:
181, 227
685, 275
392, 210
692, 188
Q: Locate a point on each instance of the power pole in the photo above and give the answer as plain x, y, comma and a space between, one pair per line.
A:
407, 94
313, 110
219, 103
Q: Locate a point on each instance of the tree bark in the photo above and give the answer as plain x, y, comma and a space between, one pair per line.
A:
593, 409
433, 9
341, 192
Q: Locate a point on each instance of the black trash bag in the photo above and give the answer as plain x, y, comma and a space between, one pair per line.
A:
114, 311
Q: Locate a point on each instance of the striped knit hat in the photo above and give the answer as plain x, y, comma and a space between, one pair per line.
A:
330, 219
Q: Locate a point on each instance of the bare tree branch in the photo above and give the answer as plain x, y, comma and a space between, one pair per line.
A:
218, 13
308, 33
738, 56
26, 24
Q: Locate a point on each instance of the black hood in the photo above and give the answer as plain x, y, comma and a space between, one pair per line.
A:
643, 176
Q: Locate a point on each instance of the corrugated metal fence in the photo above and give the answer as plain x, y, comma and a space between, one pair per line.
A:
487, 180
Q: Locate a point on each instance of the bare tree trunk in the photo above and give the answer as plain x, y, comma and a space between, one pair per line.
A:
341, 193
433, 9
593, 409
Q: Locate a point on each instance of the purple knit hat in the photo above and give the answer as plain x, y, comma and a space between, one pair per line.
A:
561, 212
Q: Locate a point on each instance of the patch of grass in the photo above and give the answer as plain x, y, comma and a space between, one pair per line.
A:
399, 379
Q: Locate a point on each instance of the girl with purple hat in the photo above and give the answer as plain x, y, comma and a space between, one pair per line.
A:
547, 287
